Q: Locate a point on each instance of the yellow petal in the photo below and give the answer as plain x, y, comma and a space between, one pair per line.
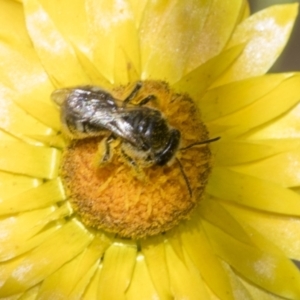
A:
17, 229
238, 288
29, 85
21, 246
44, 195
12, 23
272, 272
21, 158
5, 137
244, 12
6, 269
124, 71
56, 141
92, 290
56, 54
141, 286
247, 118
30, 294
174, 238
118, 265
252, 192
197, 81
15, 297
95, 75
112, 26
286, 126
57, 284
44, 112
283, 231
220, 21
154, 252
198, 248
212, 296
63, 14
138, 8
215, 214
22, 71
84, 282
15, 120
185, 280
282, 169
233, 152
71, 19
64, 281
188, 34
257, 293
262, 242
127, 50
11, 184
229, 98
17, 241
266, 34
166, 32
94, 252
16, 244
38, 264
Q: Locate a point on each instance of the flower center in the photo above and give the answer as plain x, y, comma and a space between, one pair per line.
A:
142, 183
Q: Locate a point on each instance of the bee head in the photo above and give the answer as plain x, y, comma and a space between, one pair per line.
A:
169, 151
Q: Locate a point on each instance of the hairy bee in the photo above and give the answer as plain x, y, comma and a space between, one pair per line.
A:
144, 132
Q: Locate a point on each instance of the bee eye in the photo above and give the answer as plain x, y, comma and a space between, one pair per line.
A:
169, 150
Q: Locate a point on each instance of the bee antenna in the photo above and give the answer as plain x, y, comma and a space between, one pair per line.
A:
185, 177
201, 143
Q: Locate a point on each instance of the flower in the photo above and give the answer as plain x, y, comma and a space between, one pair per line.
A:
239, 242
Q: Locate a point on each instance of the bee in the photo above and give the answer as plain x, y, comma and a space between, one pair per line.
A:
145, 134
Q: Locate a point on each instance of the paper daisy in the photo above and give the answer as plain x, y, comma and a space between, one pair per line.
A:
159, 214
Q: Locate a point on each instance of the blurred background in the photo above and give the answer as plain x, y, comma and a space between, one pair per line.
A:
290, 58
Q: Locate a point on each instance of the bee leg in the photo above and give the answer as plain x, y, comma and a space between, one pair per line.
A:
146, 100
105, 152
129, 159
138, 171
133, 93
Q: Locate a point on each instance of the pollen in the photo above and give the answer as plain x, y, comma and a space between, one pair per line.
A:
136, 201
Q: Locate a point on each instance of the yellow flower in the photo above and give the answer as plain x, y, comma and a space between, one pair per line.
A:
239, 242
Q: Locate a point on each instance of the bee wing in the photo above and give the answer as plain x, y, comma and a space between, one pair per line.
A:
59, 96
113, 121
116, 121
123, 125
